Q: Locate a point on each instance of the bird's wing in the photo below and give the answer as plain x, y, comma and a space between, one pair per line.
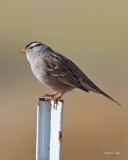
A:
58, 67
67, 72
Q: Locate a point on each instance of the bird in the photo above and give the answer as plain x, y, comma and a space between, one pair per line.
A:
58, 72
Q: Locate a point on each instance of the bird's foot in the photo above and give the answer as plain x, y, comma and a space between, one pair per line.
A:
54, 97
55, 103
50, 96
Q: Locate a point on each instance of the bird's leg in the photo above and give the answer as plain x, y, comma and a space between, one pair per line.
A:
56, 99
50, 95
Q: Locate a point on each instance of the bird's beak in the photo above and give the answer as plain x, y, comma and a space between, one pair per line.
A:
23, 51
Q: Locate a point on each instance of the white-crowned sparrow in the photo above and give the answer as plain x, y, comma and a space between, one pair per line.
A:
57, 72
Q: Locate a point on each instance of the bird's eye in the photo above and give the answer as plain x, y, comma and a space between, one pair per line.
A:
30, 47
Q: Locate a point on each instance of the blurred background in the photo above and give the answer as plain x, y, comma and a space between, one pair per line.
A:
94, 34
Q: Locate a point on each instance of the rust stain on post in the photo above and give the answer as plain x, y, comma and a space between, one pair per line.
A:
60, 136
61, 100
42, 99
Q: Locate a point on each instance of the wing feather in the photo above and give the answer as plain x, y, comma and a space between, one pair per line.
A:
58, 67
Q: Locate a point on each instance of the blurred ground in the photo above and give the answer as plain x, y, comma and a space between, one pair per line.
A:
94, 34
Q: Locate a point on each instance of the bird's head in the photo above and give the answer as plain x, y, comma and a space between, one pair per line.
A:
33, 47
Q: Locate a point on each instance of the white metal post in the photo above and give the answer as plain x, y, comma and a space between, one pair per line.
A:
49, 130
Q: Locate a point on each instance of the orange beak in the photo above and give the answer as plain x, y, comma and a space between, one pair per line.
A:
24, 51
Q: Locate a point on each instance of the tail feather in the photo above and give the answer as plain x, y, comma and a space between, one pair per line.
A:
106, 95
90, 86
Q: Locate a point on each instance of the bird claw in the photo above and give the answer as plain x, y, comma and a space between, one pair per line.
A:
55, 106
49, 97
54, 98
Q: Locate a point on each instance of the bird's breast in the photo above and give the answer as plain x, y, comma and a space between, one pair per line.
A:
39, 69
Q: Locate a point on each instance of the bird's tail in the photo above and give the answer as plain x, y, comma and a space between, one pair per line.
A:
106, 95
90, 86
